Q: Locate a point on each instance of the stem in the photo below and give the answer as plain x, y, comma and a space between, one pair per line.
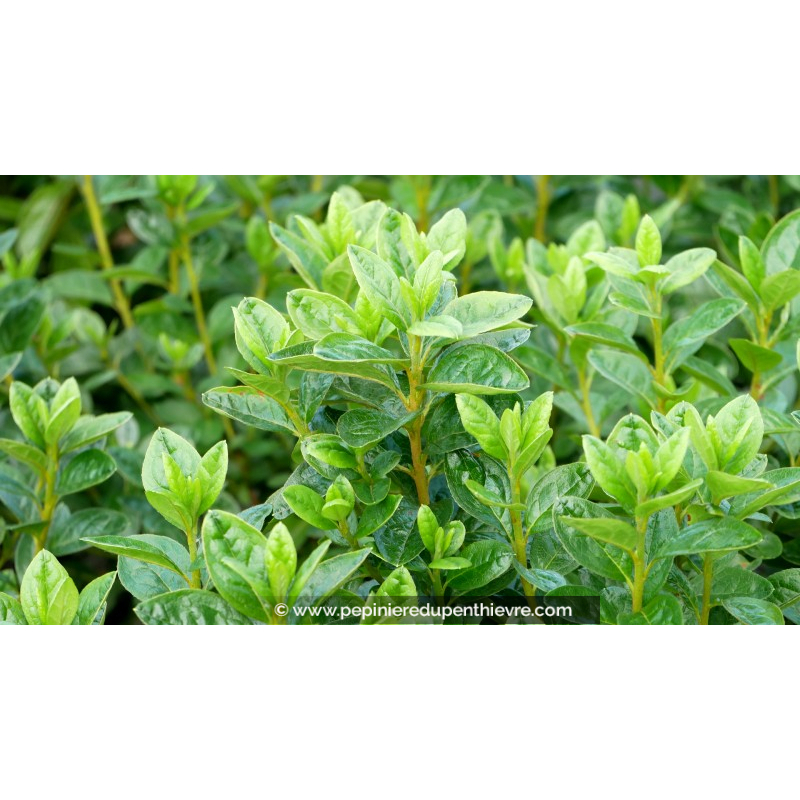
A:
586, 403
416, 397
50, 498
774, 194
106, 260
344, 529
543, 193
658, 346
191, 541
197, 303
521, 541
639, 564
438, 590
708, 576
762, 326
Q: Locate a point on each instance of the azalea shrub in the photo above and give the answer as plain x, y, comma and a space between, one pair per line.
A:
304, 400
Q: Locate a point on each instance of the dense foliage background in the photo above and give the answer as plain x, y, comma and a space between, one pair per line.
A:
127, 283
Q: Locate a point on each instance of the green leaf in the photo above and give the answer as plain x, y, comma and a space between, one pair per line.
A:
781, 248
450, 563
211, 474
329, 576
47, 594
461, 466
399, 540
441, 326
715, 535
188, 607
260, 330
29, 411
648, 242
380, 284
614, 264
318, 314
476, 369
11, 611
135, 547
65, 408
752, 264
722, 485
480, 421
306, 570
92, 600
449, 235
662, 610
686, 267
605, 335
780, 289
307, 504
488, 560
484, 311
86, 469
66, 538
608, 471
305, 257
366, 427
236, 558
281, 560
145, 580
752, 611
377, 515
675, 498
624, 370
608, 530
736, 434
88, 430
251, 407
573, 480
738, 582
753, 356
601, 558
786, 587
25, 453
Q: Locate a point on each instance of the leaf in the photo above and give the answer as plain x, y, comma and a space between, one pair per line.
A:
573, 480
281, 561
738, 582
211, 475
251, 407
753, 356
723, 485
86, 469
752, 611
648, 242
305, 257
135, 547
686, 267
608, 530
675, 498
376, 515
484, 311
662, 610
363, 428
687, 336
449, 235
318, 314
624, 370
399, 541
235, 555
480, 421
380, 284
67, 538
781, 248
65, 408
11, 611
461, 466
259, 330
786, 587
145, 580
608, 471
476, 369
780, 289
89, 429
25, 453
47, 594
606, 335
716, 535
603, 559
450, 563
92, 600
188, 607
329, 576
736, 433
488, 560
29, 412
307, 504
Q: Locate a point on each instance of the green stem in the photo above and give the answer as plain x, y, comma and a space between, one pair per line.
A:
708, 577
197, 303
639, 564
774, 194
106, 260
586, 403
50, 497
416, 398
520, 539
543, 194
191, 541
658, 346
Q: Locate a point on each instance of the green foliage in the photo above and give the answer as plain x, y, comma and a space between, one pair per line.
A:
282, 400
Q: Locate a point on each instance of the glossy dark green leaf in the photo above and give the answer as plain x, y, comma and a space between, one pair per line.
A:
189, 607
86, 469
476, 369
753, 611
716, 535
488, 559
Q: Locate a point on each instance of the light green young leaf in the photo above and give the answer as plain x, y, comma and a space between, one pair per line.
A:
480, 421
92, 600
648, 242
484, 311
381, 285
47, 593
